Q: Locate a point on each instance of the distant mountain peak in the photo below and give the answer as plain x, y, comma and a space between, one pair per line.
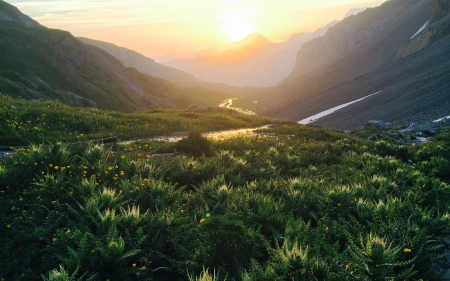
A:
254, 37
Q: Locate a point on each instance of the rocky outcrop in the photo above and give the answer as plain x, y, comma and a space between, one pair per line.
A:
415, 133
350, 33
435, 29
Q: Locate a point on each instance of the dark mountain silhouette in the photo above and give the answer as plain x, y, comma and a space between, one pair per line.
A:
357, 57
38, 62
130, 58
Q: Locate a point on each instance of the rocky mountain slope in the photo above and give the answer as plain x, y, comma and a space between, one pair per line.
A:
361, 52
38, 62
433, 30
130, 58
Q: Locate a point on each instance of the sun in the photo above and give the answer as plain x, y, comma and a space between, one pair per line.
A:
238, 28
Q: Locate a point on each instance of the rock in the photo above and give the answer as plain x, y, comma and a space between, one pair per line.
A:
412, 126
377, 124
373, 137
444, 122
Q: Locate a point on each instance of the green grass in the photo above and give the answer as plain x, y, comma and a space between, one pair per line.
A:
299, 203
39, 121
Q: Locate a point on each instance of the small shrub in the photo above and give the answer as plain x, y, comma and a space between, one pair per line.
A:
194, 144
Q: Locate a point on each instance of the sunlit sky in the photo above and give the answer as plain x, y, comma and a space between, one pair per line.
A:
157, 27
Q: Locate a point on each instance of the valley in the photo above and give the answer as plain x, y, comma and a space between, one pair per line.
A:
321, 156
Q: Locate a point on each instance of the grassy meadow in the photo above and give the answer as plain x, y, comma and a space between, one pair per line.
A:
297, 203
41, 121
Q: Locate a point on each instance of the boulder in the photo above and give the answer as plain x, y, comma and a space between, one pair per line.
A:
373, 137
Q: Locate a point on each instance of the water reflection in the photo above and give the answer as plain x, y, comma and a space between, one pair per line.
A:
219, 135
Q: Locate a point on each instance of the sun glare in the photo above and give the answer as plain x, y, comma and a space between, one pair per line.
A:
237, 29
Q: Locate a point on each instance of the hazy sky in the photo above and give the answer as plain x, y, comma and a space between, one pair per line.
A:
158, 27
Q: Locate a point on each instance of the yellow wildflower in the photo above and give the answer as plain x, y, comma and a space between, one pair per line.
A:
134, 265
55, 239
406, 250
8, 225
202, 220
326, 229
143, 268
50, 165
347, 266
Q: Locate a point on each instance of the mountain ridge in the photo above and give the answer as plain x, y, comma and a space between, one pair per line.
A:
38, 62
246, 62
353, 74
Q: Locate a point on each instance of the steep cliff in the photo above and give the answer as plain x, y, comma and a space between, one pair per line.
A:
435, 29
352, 32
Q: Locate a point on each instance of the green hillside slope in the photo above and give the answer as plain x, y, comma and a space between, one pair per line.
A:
37, 62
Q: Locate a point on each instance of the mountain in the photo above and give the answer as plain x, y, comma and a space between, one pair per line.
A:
130, 58
241, 56
254, 61
211, 51
433, 30
354, 11
357, 57
38, 62
272, 70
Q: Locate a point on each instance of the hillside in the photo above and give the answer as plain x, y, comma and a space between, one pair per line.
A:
361, 52
435, 29
130, 58
38, 62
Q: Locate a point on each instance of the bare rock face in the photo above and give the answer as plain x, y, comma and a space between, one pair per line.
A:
349, 34
442, 10
435, 29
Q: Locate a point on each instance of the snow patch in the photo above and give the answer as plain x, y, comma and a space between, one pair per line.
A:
331, 110
420, 29
442, 119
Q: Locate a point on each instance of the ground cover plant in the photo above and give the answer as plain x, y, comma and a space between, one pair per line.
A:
38, 121
298, 203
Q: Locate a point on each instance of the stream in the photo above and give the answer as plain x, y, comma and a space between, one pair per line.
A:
218, 135
228, 104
